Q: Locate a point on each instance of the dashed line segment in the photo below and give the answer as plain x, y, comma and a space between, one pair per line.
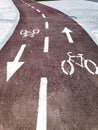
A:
46, 25
46, 44
43, 15
38, 10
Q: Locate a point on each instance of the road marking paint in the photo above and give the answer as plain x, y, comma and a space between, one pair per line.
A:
43, 15
46, 44
38, 10
29, 5
42, 107
32, 7
13, 66
20, 52
46, 25
68, 31
26, 3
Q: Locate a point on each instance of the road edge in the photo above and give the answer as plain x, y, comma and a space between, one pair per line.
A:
4, 41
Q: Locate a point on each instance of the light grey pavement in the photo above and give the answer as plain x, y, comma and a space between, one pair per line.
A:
85, 12
9, 17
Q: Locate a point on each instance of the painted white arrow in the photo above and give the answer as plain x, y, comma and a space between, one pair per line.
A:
13, 66
68, 31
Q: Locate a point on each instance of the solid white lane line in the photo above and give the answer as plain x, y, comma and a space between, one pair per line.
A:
43, 15
38, 10
46, 25
42, 108
46, 44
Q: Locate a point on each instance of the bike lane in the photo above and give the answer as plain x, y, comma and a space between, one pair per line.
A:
71, 99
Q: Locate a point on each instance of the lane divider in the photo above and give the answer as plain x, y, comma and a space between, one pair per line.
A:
43, 15
46, 41
42, 104
38, 10
46, 25
29, 5
46, 44
32, 7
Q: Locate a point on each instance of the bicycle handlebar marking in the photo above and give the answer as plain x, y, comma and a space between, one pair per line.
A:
83, 64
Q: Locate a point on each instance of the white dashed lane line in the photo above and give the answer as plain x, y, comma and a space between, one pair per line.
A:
38, 10
46, 44
43, 15
46, 25
28, 4
46, 41
32, 7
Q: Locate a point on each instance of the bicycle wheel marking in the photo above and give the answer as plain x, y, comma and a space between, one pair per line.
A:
42, 107
89, 70
71, 67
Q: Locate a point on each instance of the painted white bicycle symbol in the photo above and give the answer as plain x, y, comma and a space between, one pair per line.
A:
26, 33
83, 63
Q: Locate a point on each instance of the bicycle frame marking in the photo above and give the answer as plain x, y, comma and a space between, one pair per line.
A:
26, 33
78, 56
83, 64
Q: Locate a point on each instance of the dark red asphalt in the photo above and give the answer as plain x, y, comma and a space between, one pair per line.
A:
72, 101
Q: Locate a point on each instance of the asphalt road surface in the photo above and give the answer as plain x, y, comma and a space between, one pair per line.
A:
48, 73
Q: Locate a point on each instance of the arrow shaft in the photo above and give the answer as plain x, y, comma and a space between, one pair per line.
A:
69, 37
19, 53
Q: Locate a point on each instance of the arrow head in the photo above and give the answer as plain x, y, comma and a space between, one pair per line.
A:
66, 30
12, 67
